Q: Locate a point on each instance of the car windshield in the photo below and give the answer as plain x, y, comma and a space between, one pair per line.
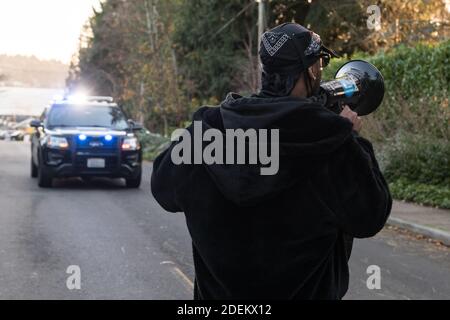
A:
66, 115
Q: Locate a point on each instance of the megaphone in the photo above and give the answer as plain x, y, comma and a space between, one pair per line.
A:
357, 84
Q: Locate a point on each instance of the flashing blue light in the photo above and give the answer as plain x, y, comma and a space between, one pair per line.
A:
82, 137
108, 137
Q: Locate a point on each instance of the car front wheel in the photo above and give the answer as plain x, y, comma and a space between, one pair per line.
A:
34, 169
134, 182
44, 179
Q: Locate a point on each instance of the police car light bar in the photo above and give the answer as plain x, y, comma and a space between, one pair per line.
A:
83, 98
101, 99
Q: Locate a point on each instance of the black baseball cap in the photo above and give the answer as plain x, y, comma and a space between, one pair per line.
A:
290, 49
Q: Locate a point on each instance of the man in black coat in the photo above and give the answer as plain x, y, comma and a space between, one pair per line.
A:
286, 235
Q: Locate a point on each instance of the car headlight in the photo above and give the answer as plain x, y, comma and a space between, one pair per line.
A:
130, 144
57, 142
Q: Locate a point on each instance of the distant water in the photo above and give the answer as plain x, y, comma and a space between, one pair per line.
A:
25, 101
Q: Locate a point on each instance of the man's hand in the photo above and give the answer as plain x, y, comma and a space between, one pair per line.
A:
353, 117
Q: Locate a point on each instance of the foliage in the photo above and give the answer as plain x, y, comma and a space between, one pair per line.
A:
416, 91
127, 52
343, 26
425, 194
219, 54
418, 169
345, 29
408, 22
412, 124
159, 57
153, 144
210, 50
417, 158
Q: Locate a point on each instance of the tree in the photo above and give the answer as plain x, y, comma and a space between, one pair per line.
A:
343, 25
213, 38
99, 65
126, 51
409, 22
216, 40
162, 58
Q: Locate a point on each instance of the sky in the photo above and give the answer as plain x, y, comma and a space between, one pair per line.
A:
48, 29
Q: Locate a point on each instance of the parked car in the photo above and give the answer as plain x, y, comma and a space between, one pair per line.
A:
17, 135
85, 138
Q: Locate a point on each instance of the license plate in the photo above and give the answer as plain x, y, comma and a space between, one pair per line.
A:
96, 163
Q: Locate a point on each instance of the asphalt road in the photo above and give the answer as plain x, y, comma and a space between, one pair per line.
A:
127, 247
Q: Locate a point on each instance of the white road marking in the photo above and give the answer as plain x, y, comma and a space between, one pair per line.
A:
177, 271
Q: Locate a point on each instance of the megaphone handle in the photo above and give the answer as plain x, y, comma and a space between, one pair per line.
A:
337, 108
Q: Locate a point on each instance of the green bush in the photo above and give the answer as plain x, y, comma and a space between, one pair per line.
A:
436, 196
411, 127
417, 90
416, 158
153, 144
418, 169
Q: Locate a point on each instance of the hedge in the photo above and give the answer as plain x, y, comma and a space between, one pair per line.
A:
417, 158
417, 91
153, 144
411, 127
425, 194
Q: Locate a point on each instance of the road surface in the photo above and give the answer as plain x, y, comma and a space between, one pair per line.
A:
127, 247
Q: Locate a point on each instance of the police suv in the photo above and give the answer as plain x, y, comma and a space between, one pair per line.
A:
85, 137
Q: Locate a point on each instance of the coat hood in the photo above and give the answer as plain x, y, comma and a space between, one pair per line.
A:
308, 135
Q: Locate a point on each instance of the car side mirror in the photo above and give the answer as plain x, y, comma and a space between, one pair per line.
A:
135, 126
35, 124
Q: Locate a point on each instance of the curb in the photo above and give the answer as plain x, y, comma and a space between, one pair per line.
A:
421, 229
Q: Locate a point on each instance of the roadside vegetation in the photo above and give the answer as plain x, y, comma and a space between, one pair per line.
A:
411, 128
163, 59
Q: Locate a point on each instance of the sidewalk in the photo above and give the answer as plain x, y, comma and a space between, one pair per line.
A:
430, 222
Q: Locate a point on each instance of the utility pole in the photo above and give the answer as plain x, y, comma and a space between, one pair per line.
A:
261, 29
261, 19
